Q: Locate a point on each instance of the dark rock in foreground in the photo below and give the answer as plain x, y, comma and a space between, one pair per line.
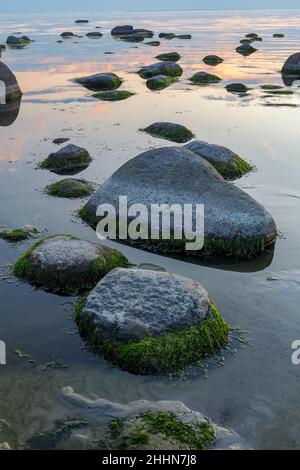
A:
70, 188
204, 78
213, 60
235, 224
227, 163
67, 265
149, 336
159, 82
100, 81
170, 131
171, 69
68, 160
169, 57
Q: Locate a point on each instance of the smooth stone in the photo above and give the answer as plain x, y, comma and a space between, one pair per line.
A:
170, 131
70, 188
159, 82
245, 49
213, 60
100, 81
94, 35
167, 35
67, 34
204, 78
131, 304
60, 140
70, 159
171, 69
292, 65
251, 35
81, 21
102, 409
237, 88
153, 43
278, 35
120, 30
115, 95
171, 175
15, 41
12, 89
169, 57
9, 112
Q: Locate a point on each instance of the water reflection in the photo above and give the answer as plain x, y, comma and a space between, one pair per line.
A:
10, 96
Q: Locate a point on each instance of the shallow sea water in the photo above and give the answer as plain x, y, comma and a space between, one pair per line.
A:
256, 392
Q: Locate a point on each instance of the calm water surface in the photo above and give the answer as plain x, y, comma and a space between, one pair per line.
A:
257, 391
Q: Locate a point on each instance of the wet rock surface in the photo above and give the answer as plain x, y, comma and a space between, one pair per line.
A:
100, 82
170, 69
70, 159
170, 131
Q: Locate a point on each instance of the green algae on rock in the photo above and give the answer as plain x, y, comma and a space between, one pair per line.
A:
18, 234
159, 82
66, 265
153, 43
70, 159
237, 88
70, 188
115, 95
204, 78
169, 57
213, 60
170, 131
130, 335
171, 69
48, 440
100, 81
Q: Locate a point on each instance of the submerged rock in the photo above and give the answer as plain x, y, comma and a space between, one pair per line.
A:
167, 35
18, 41
100, 81
128, 33
170, 131
183, 36
94, 35
237, 88
278, 35
18, 234
292, 65
245, 49
121, 30
142, 335
169, 57
116, 95
68, 160
66, 265
153, 43
12, 89
67, 34
227, 163
235, 224
81, 21
159, 82
48, 440
166, 412
171, 69
213, 60
204, 78
60, 140
70, 188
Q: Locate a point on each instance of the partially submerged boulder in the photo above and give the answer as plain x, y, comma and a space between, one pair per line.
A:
213, 60
100, 81
159, 82
235, 225
60, 140
245, 49
94, 35
12, 89
169, 57
122, 30
237, 88
70, 188
153, 43
66, 265
67, 34
204, 78
171, 69
81, 21
70, 159
278, 35
18, 234
167, 35
130, 34
158, 425
115, 95
18, 41
225, 161
9, 112
292, 65
151, 321
170, 131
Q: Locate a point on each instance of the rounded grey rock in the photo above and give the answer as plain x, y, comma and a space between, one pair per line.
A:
211, 152
292, 64
70, 159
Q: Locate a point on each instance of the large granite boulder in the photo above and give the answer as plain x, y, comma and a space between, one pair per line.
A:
100, 81
66, 265
154, 425
69, 160
151, 321
235, 224
225, 161
170, 69
292, 65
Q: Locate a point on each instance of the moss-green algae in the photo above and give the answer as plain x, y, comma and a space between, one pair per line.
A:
115, 95
233, 169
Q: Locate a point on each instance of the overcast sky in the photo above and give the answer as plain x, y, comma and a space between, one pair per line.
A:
23, 6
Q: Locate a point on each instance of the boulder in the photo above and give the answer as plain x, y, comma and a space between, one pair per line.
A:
134, 317
278, 35
171, 415
70, 188
251, 35
292, 65
213, 60
67, 34
171, 69
204, 78
100, 81
169, 57
237, 88
66, 265
18, 41
122, 30
12, 89
115, 95
18, 234
235, 224
68, 160
60, 140
159, 82
227, 163
170, 131
167, 35
183, 36
153, 43
245, 49
94, 35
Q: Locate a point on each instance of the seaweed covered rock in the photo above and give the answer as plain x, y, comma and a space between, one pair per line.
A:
70, 188
153, 43
160, 425
67, 34
245, 49
171, 69
204, 78
235, 225
81, 21
12, 89
292, 65
66, 265
94, 35
114, 95
227, 163
122, 30
170, 131
18, 234
129, 34
151, 321
18, 41
278, 35
100, 81
237, 88
70, 159
213, 60
169, 57
167, 35
159, 82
